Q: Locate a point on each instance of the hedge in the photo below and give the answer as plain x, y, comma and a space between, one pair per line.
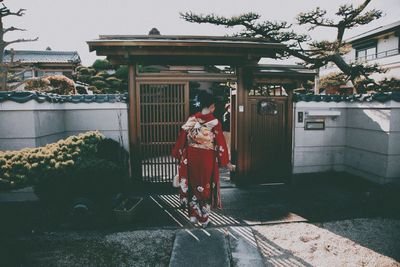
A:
25, 167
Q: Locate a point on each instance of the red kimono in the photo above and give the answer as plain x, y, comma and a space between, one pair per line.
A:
201, 149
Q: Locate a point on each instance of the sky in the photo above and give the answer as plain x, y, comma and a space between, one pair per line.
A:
68, 24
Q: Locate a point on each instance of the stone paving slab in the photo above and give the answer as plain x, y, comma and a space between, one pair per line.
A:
200, 248
243, 248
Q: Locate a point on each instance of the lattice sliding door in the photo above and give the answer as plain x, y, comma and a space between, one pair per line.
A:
164, 107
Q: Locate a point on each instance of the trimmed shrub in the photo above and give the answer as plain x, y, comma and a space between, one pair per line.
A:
102, 64
96, 78
81, 90
94, 89
83, 78
103, 74
87, 71
37, 83
95, 178
99, 84
122, 72
114, 82
27, 166
57, 84
111, 150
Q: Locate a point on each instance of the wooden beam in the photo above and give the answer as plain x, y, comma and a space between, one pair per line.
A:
190, 60
289, 137
186, 77
134, 147
94, 45
241, 129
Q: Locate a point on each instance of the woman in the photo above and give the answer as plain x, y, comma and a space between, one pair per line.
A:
201, 149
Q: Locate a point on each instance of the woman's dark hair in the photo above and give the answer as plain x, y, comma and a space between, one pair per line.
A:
206, 99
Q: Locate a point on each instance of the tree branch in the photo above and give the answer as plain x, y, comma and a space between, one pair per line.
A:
12, 29
315, 18
20, 41
5, 11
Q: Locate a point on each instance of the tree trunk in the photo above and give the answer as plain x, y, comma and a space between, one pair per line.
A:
3, 68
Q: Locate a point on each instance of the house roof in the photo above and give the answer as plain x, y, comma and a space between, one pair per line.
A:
188, 49
375, 32
283, 70
22, 97
380, 97
46, 56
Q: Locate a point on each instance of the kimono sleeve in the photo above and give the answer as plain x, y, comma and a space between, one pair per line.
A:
179, 145
221, 147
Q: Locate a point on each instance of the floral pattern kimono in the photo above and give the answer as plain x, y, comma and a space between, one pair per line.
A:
201, 150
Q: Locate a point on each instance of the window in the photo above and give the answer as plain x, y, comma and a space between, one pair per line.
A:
47, 73
366, 53
27, 74
268, 90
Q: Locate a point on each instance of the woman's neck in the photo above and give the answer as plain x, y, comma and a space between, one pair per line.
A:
205, 111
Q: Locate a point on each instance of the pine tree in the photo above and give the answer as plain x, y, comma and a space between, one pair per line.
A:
315, 54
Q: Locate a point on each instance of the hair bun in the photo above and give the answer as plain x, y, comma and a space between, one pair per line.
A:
206, 99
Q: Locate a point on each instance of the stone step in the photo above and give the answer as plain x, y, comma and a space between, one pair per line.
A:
243, 247
232, 246
195, 247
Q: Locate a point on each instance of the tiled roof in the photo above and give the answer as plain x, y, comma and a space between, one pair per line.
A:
46, 56
186, 38
22, 97
375, 32
380, 97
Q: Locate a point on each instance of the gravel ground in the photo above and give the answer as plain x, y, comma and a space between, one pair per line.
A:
358, 242
136, 248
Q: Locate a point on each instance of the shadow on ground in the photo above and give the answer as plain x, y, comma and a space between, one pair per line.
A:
318, 199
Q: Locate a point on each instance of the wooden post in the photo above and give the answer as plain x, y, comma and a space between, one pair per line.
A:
134, 147
289, 137
241, 142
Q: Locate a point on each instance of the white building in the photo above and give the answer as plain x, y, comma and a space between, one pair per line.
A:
380, 45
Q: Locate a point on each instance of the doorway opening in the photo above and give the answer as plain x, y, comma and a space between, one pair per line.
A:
163, 106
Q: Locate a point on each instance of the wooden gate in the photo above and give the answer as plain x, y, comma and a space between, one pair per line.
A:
163, 108
268, 135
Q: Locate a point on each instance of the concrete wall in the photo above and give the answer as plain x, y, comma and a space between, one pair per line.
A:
364, 140
34, 124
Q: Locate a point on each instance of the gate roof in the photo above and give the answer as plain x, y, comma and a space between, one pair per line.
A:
172, 49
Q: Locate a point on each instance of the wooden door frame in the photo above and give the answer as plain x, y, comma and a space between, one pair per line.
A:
135, 79
243, 125
240, 145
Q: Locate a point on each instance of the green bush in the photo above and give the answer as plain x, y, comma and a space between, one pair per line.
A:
27, 166
102, 64
99, 84
81, 90
94, 178
114, 82
111, 150
83, 78
86, 71
122, 72
103, 74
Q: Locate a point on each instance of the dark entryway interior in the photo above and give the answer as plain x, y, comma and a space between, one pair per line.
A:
163, 107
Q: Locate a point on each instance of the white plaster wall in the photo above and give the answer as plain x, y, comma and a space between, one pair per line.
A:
318, 150
363, 140
110, 120
34, 124
387, 42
